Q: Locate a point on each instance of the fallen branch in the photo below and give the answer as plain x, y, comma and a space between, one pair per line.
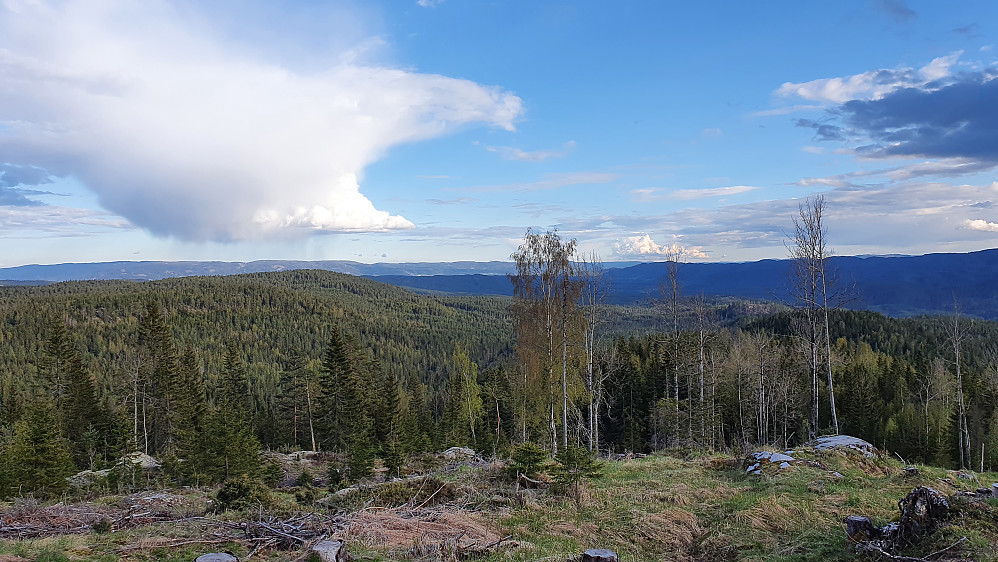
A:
872, 548
427, 500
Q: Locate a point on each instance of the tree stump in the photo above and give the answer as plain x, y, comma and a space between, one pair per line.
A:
331, 551
217, 557
599, 555
921, 512
861, 528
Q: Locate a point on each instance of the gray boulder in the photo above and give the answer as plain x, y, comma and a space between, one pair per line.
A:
458, 454
844, 442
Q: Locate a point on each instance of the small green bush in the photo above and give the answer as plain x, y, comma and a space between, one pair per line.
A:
306, 495
305, 479
335, 475
243, 493
526, 459
272, 473
575, 464
101, 526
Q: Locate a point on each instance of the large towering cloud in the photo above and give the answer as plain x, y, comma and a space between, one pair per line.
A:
190, 136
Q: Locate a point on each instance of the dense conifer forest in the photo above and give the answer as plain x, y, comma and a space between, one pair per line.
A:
203, 372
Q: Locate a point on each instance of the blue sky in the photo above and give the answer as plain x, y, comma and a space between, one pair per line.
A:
440, 130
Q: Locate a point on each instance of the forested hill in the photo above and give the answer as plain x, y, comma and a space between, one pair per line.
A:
274, 318
896, 285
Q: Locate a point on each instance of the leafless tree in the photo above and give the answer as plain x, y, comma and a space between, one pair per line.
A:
595, 286
670, 291
957, 333
810, 285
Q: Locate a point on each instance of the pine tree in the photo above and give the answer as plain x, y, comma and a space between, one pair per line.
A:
38, 458
156, 382
228, 446
334, 379
190, 411
75, 392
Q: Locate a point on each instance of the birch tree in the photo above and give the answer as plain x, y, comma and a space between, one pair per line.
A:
810, 287
545, 298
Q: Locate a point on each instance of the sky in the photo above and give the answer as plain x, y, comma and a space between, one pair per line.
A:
441, 130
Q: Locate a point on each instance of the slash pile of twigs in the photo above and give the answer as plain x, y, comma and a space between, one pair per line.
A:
283, 534
26, 522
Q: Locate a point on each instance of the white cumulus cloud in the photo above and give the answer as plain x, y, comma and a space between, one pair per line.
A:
644, 246
873, 84
190, 136
981, 224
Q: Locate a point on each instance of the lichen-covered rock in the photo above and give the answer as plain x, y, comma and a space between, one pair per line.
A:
768, 462
87, 478
458, 453
844, 442
140, 459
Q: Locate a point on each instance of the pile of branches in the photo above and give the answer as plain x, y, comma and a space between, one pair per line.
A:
27, 522
283, 534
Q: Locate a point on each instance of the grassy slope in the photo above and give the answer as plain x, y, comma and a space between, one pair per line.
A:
664, 507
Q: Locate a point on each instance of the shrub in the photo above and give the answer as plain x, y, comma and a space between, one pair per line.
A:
272, 473
574, 465
243, 493
335, 475
305, 479
526, 459
306, 495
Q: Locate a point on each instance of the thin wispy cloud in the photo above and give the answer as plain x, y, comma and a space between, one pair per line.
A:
513, 153
659, 194
59, 221
189, 136
896, 9
455, 201
550, 181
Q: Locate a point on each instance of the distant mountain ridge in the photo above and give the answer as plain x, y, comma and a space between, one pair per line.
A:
155, 270
893, 285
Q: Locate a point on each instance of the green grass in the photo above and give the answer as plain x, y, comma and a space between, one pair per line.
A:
668, 506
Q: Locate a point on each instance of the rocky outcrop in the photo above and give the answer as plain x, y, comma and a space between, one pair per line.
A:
458, 454
844, 443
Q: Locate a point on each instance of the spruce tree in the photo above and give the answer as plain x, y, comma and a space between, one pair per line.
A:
228, 446
38, 458
334, 379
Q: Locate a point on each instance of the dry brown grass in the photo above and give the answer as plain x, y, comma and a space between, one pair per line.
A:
673, 531
439, 534
781, 515
582, 532
683, 495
